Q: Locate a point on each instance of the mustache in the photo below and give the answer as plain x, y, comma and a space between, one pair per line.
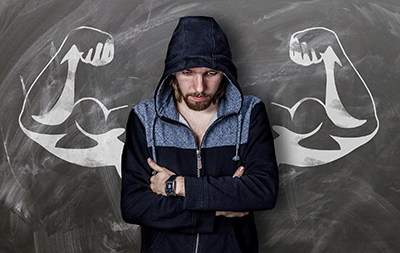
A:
199, 95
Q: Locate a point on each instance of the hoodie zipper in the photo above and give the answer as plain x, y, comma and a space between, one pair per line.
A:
199, 166
199, 163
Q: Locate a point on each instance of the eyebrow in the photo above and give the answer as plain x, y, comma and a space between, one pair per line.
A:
191, 69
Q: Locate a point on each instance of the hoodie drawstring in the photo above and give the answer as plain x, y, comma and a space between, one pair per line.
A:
152, 143
235, 158
238, 135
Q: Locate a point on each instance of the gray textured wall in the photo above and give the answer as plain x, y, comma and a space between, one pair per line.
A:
56, 196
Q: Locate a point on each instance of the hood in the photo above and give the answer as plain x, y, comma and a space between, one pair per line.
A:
198, 42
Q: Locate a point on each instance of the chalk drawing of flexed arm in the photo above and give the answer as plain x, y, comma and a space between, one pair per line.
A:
98, 52
312, 46
103, 54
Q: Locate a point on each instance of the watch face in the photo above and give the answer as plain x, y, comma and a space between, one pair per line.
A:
169, 188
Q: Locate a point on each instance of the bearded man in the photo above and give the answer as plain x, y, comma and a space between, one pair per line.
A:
199, 157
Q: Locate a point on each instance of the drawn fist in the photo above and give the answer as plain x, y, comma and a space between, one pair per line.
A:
103, 54
90, 45
309, 46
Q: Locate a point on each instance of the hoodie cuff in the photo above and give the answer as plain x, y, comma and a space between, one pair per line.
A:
195, 200
195, 194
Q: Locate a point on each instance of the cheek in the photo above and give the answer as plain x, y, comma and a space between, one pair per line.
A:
184, 88
214, 85
183, 84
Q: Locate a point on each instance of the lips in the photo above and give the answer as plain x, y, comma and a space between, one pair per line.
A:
199, 99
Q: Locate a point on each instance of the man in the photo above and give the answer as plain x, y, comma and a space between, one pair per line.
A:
199, 157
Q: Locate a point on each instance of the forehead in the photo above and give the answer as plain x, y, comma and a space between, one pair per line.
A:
200, 69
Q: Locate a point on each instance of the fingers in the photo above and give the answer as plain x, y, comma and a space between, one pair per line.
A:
88, 56
109, 49
103, 54
97, 53
230, 214
240, 214
239, 172
158, 178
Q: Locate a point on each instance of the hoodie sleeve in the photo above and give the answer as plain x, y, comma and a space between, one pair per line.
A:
139, 204
256, 190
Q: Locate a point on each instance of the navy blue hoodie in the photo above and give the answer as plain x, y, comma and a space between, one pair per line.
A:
240, 135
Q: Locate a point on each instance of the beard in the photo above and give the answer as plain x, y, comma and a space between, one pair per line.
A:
198, 105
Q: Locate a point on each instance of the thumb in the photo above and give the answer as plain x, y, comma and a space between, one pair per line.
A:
239, 172
154, 165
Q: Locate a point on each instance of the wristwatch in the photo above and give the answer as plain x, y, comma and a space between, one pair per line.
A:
170, 186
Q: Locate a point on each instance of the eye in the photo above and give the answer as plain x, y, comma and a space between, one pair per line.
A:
186, 72
212, 73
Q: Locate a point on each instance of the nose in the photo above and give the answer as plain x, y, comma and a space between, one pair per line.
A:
199, 83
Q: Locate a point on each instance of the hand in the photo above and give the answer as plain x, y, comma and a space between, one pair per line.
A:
89, 45
157, 182
103, 54
302, 49
230, 214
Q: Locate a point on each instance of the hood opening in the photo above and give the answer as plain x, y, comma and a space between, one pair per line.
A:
198, 41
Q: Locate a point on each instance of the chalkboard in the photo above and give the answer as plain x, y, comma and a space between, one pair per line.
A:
327, 71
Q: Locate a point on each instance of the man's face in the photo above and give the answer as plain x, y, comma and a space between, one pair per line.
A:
198, 86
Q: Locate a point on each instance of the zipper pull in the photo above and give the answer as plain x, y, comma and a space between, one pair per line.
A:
198, 153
